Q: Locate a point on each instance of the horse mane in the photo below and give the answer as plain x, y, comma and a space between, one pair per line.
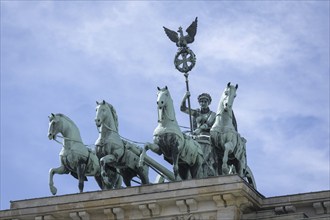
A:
114, 114
220, 105
69, 120
66, 117
172, 116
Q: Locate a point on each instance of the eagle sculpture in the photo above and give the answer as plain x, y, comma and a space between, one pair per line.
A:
181, 40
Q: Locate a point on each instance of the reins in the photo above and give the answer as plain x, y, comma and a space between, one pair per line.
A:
126, 139
69, 139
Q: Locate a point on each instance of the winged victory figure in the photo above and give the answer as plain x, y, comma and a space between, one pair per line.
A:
181, 40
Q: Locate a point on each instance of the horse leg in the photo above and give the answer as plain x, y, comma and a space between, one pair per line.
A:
81, 176
59, 170
142, 155
184, 171
106, 184
108, 159
217, 152
242, 160
197, 169
216, 161
111, 179
118, 181
153, 147
241, 165
218, 158
175, 158
228, 149
98, 179
127, 178
143, 174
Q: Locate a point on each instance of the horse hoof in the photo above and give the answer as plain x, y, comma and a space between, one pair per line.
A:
53, 190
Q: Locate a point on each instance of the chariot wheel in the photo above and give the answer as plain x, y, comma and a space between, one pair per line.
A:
184, 60
249, 177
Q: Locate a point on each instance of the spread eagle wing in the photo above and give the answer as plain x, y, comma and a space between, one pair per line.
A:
191, 30
172, 35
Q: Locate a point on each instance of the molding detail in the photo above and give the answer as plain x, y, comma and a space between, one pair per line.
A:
284, 209
155, 209
219, 200
108, 212
182, 205
44, 217
119, 213
192, 204
83, 215
326, 204
146, 212
319, 208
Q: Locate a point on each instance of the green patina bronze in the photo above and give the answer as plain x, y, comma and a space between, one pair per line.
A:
213, 146
185, 58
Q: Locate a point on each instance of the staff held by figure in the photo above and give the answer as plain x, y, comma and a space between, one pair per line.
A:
185, 58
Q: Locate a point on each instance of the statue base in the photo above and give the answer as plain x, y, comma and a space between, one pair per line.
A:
224, 197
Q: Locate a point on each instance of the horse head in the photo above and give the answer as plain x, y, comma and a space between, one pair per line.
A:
165, 104
54, 126
100, 113
162, 97
228, 97
106, 115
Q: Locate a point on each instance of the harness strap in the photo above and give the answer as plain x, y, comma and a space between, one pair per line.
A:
136, 142
69, 139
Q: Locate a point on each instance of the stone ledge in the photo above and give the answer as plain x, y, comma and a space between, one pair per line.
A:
177, 189
228, 197
141, 201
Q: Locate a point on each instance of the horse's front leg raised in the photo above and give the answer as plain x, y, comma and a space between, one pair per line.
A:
52, 171
151, 146
142, 155
109, 182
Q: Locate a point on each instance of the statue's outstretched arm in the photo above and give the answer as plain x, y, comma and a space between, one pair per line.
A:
184, 107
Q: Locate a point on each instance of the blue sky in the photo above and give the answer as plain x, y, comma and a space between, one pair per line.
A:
60, 57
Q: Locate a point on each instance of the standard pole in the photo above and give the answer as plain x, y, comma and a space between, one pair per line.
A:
189, 108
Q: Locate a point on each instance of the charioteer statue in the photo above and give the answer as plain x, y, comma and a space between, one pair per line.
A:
202, 121
203, 118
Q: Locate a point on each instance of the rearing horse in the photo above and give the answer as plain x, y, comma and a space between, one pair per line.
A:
112, 150
181, 151
229, 147
75, 157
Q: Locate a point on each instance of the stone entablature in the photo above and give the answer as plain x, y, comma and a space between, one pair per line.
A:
225, 197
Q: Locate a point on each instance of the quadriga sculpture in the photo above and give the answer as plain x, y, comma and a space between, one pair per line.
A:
180, 150
113, 152
229, 147
75, 157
